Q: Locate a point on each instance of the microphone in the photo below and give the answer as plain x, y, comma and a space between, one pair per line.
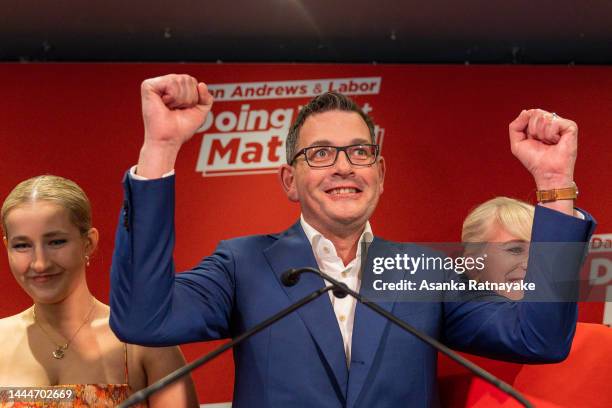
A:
292, 277
288, 279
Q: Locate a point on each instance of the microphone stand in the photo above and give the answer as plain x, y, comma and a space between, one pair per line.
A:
177, 374
291, 277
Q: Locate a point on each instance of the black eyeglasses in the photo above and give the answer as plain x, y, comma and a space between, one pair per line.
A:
326, 156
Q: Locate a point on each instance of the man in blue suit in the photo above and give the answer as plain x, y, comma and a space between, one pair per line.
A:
332, 352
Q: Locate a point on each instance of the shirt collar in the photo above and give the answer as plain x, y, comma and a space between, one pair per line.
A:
315, 236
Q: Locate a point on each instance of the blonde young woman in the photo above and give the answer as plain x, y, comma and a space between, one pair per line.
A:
64, 338
501, 228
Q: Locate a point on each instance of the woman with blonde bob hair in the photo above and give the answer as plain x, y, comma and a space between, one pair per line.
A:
64, 340
501, 229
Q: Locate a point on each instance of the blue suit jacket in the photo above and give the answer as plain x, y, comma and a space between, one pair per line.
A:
300, 361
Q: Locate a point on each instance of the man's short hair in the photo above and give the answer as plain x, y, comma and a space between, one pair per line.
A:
323, 103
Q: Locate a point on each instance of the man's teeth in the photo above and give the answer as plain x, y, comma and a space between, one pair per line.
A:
343, 191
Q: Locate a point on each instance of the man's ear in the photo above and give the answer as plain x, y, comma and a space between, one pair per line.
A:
286, 176
381, 172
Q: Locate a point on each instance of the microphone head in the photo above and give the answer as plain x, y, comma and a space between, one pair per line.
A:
290, 277
339, 291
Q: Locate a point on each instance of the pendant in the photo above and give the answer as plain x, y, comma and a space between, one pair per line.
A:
59, 352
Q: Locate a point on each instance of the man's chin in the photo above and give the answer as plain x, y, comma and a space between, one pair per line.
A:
357, 220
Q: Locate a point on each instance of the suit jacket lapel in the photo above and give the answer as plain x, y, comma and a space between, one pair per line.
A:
368, 329
292, 250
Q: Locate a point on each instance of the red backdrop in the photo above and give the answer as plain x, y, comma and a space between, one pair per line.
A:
445, 144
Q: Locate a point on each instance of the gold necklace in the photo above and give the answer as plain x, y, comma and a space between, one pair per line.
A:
60, 349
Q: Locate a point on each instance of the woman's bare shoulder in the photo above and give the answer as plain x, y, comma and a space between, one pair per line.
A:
14, 329
20, 321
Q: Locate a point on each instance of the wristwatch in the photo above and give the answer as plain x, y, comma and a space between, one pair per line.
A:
567, 193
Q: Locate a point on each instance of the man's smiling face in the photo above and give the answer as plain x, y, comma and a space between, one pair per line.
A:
343, 195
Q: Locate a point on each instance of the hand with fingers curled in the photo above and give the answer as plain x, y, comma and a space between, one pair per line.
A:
173, 108
547, 145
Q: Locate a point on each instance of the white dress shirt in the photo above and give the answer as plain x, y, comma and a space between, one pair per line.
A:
330, 263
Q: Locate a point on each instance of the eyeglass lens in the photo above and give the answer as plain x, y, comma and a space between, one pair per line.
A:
326, 155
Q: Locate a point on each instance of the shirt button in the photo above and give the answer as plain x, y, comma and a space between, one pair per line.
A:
344, 274
326, 250
342, 318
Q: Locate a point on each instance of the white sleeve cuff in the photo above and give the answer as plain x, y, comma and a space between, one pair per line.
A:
138, 177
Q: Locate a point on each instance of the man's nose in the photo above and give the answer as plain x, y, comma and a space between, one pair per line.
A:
343, 165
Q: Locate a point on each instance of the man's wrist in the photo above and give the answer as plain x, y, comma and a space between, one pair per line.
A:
566, 193
134, 174
553, 181
156, 160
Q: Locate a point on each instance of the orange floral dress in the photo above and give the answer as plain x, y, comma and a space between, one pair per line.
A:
84, 395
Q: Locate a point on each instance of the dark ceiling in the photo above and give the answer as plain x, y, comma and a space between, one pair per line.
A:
439, 31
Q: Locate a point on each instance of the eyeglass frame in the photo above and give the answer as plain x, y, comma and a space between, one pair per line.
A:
338, 150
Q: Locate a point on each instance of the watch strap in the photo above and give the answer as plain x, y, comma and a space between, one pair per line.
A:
567, 193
